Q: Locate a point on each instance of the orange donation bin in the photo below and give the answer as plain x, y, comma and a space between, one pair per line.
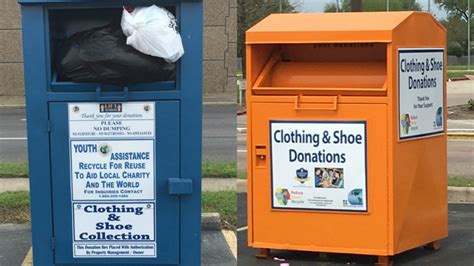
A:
347, 133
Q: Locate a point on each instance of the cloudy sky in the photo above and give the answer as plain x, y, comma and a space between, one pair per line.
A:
318, 6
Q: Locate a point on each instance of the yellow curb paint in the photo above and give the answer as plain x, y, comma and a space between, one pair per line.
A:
231, 240
28, 260
460, 135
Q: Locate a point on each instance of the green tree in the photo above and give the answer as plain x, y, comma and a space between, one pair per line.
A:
375, 5
456, 24
456, 29
456, 8
252, 11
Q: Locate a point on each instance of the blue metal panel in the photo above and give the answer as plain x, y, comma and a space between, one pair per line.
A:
38, 137
167, 205
191, 127
92, 2
180, 117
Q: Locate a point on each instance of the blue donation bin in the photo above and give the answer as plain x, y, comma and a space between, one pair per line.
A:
115, 169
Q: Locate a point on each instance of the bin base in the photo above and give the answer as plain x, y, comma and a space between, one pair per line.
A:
384, 261
435, 245
323, 255
264, 253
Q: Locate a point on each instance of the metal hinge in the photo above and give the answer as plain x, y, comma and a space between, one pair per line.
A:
53, 243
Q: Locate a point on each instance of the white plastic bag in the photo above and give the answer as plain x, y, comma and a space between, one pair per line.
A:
153, 31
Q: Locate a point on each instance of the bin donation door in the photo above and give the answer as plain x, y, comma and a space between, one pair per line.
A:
306, 144
114, 161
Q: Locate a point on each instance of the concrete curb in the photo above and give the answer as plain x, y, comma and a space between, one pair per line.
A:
219, 103
12, 106
460, 195
455, 194
241, 130
464, 135
241, 185
458, 79
211, 221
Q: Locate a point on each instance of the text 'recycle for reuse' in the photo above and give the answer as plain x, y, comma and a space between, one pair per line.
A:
112, 162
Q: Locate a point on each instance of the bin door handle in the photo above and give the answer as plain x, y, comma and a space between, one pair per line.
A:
328, 103
180, 186
123, 97
261, 156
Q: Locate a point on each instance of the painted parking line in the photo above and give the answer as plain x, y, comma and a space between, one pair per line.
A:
28, 260
231, 240
24, 138
460, 129
241, 150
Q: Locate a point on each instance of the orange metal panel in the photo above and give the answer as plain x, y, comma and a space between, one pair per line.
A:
419, 177
326, 27
329, 74
362, 233
297, 69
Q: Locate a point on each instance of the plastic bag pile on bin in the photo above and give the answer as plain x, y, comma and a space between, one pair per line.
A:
144, 48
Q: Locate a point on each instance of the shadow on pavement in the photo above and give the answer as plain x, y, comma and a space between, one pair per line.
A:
15, 241
457, 249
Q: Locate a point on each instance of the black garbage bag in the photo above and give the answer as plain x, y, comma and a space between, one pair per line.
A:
101, 55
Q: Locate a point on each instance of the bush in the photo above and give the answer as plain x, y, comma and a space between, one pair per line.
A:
455, 50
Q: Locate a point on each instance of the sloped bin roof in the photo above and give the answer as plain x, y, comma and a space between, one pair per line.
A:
333, 27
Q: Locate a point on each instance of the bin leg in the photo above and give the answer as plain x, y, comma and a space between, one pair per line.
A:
435, 245
383, 261
264, 253
323, 256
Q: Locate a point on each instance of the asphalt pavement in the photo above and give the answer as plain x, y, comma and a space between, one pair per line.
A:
459, 92
456, 249
218, 130
219, 136
461, 158
15, 241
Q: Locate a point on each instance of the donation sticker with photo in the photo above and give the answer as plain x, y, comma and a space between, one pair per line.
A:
319, 165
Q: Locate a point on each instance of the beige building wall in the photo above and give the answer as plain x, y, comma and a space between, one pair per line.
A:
220, 49
11, 54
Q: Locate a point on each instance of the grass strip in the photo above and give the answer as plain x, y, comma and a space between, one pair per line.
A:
242, 175
14, 169
209, 169
459, 74
454, 181
224, 203
460, 182
15, 207
219, 169
459, 67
